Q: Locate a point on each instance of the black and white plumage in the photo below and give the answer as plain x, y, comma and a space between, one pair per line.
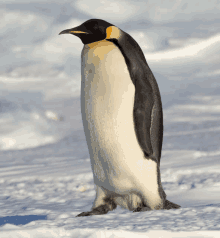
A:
122, 118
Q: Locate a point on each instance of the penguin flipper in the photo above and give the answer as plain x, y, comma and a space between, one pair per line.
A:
142, 113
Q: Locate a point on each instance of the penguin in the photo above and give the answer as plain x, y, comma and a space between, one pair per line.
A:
122, 118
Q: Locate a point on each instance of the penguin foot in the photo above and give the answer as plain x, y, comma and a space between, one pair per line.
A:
167, 205
141, 209
103, 209
170, 205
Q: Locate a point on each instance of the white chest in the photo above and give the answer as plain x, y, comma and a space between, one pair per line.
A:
107, 92
106, 83
107, 100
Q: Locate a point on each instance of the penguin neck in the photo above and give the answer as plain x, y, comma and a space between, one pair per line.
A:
100, 48
97, 44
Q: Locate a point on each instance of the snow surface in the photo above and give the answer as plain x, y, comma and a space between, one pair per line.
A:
45, 173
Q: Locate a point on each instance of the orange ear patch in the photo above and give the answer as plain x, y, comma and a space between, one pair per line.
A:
113, 32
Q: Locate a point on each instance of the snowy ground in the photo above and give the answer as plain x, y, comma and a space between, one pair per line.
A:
45, 174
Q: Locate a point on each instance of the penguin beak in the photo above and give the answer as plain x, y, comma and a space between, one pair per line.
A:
73, 31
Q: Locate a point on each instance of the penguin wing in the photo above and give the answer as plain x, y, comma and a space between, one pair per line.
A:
142, 113
148, 118
148, 114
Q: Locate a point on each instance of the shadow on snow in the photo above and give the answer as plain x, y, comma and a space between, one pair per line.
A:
21, 220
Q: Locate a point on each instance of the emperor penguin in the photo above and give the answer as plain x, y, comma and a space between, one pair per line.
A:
122, 118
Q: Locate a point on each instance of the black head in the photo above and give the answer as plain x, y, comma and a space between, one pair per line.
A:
90, 31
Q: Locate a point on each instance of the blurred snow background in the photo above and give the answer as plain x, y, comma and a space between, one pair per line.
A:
45, 166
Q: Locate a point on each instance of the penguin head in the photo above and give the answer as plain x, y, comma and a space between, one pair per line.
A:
94, 30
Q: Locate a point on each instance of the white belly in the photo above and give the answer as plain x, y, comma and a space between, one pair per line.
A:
107, 100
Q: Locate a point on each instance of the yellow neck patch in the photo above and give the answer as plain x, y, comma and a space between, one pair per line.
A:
99, 49
113, 32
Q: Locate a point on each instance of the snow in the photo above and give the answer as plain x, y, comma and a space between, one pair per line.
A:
45, 172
